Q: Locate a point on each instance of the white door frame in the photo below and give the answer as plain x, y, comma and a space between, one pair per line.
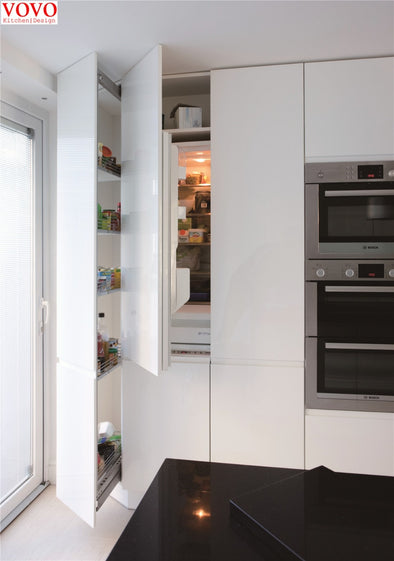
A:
32, 486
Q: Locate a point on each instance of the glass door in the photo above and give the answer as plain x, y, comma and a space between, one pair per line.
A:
355, 368
356, 312
356, 213
21, 324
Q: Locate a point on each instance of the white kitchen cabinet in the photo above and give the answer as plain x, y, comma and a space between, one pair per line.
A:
257, 204
349, 441
142, 196
168, 416
349, 110
257, 415
84, 395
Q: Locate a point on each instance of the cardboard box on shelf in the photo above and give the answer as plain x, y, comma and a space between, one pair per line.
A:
188, 117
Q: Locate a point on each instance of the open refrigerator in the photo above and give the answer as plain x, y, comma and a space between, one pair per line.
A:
190, 324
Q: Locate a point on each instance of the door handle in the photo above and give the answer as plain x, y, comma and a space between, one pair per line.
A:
45, 313
359, 346
359, 289
360, 193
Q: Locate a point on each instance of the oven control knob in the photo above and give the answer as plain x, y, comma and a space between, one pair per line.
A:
391, 273
320, 273
349, 273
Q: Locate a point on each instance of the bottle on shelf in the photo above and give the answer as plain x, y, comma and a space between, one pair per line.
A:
99, 217
102, 339
118, 210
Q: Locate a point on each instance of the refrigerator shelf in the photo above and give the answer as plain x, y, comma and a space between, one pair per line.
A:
201, 274
194, 185
195, 214
191, 244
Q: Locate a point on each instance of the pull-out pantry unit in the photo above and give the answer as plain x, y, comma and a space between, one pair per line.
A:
116, 258
110, 260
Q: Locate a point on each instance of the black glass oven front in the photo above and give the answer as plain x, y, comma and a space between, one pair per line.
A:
348, 213
355, 369
353, 311
350, 339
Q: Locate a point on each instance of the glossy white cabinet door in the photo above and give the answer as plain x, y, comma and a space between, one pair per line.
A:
350, 442
257, 415
77, 214
349, 110
257, 214
76, 437
76, 288
141, 213
164, 417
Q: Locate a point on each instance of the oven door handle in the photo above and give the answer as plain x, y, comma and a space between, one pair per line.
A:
360, 193
359, 288
359, 346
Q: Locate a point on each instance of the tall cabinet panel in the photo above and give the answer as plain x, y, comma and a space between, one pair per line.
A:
76, 288
257, 347
76, 214
257, 204
349, 109
142, 320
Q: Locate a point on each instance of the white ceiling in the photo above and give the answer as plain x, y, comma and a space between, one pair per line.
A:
201, 35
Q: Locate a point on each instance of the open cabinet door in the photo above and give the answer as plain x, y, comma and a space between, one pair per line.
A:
175, 282
142, 218
76, 288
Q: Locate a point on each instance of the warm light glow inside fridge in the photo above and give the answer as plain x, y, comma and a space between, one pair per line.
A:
194, 231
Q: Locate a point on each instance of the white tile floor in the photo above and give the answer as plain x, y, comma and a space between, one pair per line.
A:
48, 531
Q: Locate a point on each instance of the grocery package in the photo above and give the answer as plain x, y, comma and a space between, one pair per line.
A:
184, 225
108, 278
188, 258
202, 203
106, 161
108, 219
196, 235
108, 348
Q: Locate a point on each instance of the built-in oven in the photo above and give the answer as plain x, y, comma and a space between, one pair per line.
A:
349, 210
350, 335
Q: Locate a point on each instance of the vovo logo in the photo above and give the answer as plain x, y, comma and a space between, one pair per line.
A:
29, 13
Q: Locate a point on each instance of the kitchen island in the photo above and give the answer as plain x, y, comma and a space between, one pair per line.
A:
202, 511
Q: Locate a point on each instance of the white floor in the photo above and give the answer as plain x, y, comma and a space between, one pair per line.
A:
48, 531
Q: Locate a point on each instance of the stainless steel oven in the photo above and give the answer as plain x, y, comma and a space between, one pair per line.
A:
349, 210
350, 335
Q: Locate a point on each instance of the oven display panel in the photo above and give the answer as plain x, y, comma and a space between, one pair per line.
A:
371, 271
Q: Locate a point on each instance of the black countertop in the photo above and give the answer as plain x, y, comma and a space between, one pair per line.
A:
201, 511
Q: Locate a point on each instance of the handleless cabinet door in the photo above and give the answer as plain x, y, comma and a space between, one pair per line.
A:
76, 288
350, 441
257, 214
257, 415
77, 214
349, 110
141, 194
